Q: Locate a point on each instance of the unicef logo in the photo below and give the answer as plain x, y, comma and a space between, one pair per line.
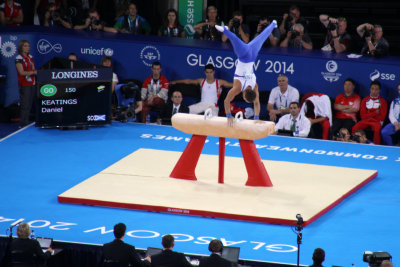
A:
331, 66
108, 52
45, 47
8, 49
374, 75
149, 54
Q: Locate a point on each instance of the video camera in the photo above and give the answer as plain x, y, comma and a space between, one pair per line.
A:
375, 258
126, 94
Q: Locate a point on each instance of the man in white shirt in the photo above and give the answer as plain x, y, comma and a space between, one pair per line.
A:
280, 98
210, 88
297, 123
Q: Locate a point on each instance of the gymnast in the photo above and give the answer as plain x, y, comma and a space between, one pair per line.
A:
244, 79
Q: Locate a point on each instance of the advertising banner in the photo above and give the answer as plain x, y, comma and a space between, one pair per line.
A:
190, 13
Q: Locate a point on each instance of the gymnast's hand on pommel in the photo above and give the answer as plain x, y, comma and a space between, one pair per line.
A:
230, 122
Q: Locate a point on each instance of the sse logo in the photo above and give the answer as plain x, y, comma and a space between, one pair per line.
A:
48, 90
376, 74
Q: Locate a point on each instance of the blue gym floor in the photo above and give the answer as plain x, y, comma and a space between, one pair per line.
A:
36, 165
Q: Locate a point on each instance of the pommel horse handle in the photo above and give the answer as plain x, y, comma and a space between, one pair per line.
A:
244, 130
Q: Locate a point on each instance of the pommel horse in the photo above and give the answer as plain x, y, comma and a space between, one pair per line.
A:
202, 126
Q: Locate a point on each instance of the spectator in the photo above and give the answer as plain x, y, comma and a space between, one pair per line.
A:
273, 39
375, 45
296, 38
11, 13
154, 91
337, 39
171, 26
106, 61
318, 257
346, 105
132, 22
53, 18
119, 252
294, 122
41, 7
317, 108
343, 135
373, 111
170, 109
280, 98
394, 117
210, 89
359, 136
25, 249
215, 259
237, 26
94, 23
292, 18
167, 257
26, 72
206, 29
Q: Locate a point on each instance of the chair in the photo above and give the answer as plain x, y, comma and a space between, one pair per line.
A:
21, 258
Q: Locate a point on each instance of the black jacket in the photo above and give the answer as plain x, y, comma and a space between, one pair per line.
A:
119, 251
169, 258
215, 260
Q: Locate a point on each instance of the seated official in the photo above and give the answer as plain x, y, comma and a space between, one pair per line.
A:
24, 251
119, 252
298, 124
215, 259
169, 258
171, 108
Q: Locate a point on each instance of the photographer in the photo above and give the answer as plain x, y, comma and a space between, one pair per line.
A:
93, 23
374, 44
359, 136
237, 26
337, 39
343, 135
296, 38
273, 39
292, 18
53, 18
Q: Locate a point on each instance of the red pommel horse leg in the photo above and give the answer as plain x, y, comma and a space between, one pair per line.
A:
200, 127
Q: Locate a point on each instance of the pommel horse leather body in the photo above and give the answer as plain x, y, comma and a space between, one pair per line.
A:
202, 126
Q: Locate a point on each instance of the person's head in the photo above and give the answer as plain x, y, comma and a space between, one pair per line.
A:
119, 230
360, 137
106, 61
342, 25
23, 230
349, 86
156, 69
343, 135
94, 14
295, 11
294, 108
283, 82
209, 70
249, 95
318, 256
386, 263
172, 17
176, 98
212, 13
378, 32
264, 21
215, 246
168, 241
132, 10
375, 88
72, 57
298, 28
24, 47
238, 15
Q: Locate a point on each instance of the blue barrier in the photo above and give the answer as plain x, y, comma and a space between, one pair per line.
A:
308, 71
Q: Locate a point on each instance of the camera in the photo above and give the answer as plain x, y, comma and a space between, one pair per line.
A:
355, 138
291, 17
294, 34
340, 135
367, 32
375, 258
236, 23
332, 26
94, 21
125, 113
55, 15
129, 90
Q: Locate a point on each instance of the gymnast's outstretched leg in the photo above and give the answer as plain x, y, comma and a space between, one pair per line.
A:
256, 44
239, 47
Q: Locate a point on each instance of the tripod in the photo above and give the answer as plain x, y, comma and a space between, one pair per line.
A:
297, 230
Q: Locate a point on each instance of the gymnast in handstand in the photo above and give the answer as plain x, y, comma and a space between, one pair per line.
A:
244, 79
